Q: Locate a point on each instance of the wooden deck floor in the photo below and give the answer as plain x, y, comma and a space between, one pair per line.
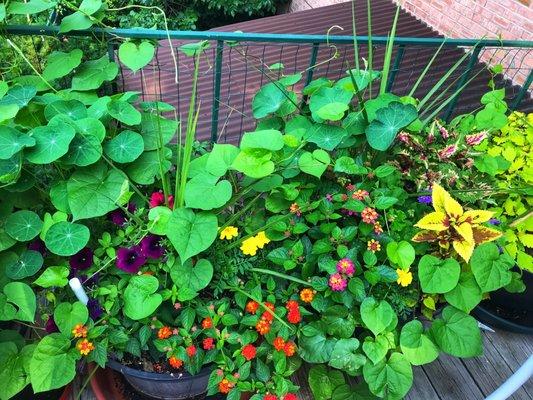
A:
450, 378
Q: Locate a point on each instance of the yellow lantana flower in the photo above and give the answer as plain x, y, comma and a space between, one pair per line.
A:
450, 224
405, 277
229, 232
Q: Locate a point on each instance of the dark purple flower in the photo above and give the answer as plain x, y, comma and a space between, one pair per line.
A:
118, 217
130, 260
494, 221
38, 245
151, 247
51, 326
95, 310
82, 260
424, 199
89, 281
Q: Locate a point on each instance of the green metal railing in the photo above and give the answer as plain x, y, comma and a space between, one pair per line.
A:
311, 54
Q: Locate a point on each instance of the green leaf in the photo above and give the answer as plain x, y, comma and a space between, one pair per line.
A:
416, 346
53, 276
90, 127
13, 373
124, 112
314, 163
19, 95
51, 142
26, 265
268, 100
76, 20
66, 238
159, 217
391, 378
21, 301
157, 131
93, 192
12, 141
73, 109
136, 56
126, 147
204, 192
67, 316
140, 297
30, 7
92, 74
145, 168
491, 269
59, 64
359, 392
326, 137
384, 202
389, 120
52, 365
377, 315
376, 349
84, 150
340, 323
8, 111
316, 349
457, 333
401, 254
362, 78
191, 233
491, 117
254, 165
345, 356
436, 275
330, 103
381, 101
191, 49
347, 165
23, 225
323, 382
466, 295
195, 277
269, 139
221, 158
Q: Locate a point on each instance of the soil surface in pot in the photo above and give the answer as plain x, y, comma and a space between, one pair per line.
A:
145, 364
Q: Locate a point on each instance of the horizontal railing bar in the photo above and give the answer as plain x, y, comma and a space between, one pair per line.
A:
141, 33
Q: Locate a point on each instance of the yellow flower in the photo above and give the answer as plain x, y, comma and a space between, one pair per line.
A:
79, 331
84, 347
261, 239
229, 232
404, 277
249, 246
450, 224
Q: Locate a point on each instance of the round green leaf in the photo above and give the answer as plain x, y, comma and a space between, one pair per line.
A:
391, 378
19, 95
416, 346
12, 141
325, 136
23, 225
51, 142
466, 295
268, 100
159, 217
389, 120
67, 316
90, 127
491, 269
84, 150
140, 297
73, 109
66, 238
124, 112
126, 147
26, 265
136, 56
436, 275
330, 103
377, 315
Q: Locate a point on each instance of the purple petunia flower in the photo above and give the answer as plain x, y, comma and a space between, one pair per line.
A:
130, 260
494, 221
82, 260
51, 326
95, 310
151, 247
425, 199
118, 217
38, 245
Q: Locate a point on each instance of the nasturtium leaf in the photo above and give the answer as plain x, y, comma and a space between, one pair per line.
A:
348, 166
20, 295
389, 120
67, 316
416, 346
314, 163
84, 150
323, 381
268, 99
52, 365
191, 233
381, 101
12, 141
91, 127
59, 64
361, 77
30, 7
159, 217
289, 106
124, 112
354, 123
254, 165
457, 333
98, 109
401, 254
136, 56
316, 349
66, 238
147, 166
391, 378
53, 277
140, 297
51, 142
154, 128
126, 147
195, 277
94, 191
326, 137
377, 315
8, 111
205, 192
490, 268
26, 265
19, 95
92, 74
346, 357
376, 349
466, 295
330, 103
73, 109
23, 225
221, 158
269, 139
59, 198
436, 275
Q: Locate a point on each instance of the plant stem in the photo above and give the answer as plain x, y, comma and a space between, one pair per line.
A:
281, 275
237, 215
78, 396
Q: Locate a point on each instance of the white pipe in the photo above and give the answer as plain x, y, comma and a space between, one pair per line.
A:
516, 380
78, 290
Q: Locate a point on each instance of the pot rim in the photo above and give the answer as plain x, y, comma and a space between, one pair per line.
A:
153, 376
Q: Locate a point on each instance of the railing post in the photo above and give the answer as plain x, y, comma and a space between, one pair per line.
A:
215, 107
395, 67
473, 60
522, 92
312, 62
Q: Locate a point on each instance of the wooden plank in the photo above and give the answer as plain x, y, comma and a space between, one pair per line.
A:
300, 379
422, 388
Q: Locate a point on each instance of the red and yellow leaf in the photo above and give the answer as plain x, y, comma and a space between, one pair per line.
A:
476, 216
465, 231
482, 234
425, 236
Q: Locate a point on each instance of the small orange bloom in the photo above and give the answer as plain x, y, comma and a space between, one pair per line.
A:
295, 209
164, 333
378, 229
307, 295
191, 350
175, 362
79, 331
252, 307
84, 347
292, 305
289, 349
278, 343
359, 195
369, 215
225, 386
373, 246
262, 326
207, 323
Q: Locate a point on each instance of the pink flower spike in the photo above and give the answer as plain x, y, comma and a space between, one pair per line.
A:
346, 266
337, 283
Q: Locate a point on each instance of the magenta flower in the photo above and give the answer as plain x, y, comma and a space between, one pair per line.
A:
130, 260
119, 217
151, 247
82, 260
158, 199
346, 266
51, 326
337, 283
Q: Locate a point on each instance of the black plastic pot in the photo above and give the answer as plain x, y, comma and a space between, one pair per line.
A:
512, 312
177, 386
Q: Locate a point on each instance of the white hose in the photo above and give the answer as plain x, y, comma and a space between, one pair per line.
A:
516, 380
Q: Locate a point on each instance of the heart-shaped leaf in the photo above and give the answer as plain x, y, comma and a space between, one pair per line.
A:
416, 346
491, 269
389, 120
347, 165
66, 238
314, 163
345, 356
20, 300
204, 192
23, 225
254, 165
145, 168
30, 7
268, 99
466, 295
26, 265
140, 297
322, 381
377, 349
326, 137
269, 139
221, 158
391, 378
136, 56
157, 131
67, 316
377, 315
330, 103
59, 64
12, 141
126, 147
436, 275
401, 254
195, 277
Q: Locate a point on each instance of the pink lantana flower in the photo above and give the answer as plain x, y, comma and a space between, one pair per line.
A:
346, 266
337, 283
